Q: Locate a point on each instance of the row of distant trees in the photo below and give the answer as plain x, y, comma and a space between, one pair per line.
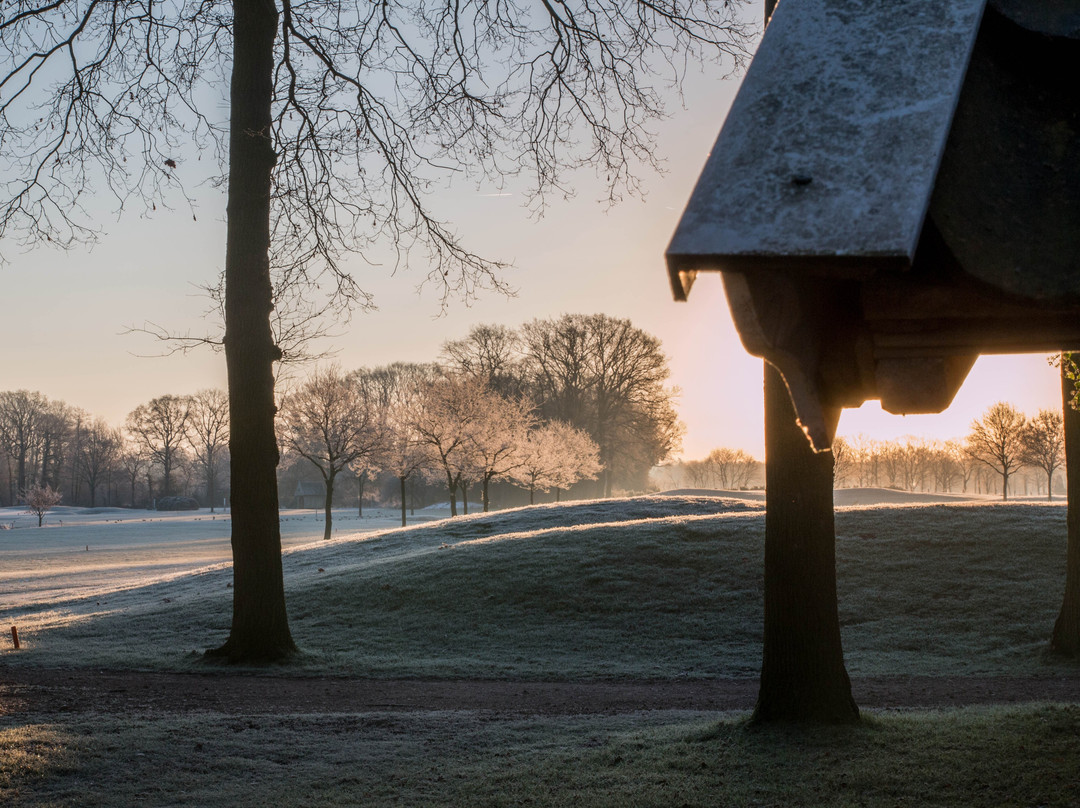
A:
172, 444
542, 406
1004, 446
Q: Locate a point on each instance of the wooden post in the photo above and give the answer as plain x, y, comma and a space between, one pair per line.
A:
15, 637
803, 677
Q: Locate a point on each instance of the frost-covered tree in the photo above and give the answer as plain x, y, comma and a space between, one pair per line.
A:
396, 389
556, 455
495, 442
330, 423
447, 412
40, 499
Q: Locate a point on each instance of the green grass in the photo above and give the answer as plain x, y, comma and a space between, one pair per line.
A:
973, 757
932, 590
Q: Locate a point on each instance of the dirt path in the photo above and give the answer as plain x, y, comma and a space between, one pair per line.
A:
57, 691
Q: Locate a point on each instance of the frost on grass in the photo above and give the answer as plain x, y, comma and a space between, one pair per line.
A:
647, 587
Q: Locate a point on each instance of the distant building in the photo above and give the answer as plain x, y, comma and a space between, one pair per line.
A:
309, 495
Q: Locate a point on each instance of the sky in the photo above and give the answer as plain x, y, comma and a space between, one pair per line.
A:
66, 319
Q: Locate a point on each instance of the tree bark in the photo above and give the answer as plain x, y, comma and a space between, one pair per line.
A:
260, 627
451, 487
803, 677
402, 480
1066, 636
328, 504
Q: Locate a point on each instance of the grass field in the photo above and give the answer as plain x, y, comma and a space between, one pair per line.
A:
648, 588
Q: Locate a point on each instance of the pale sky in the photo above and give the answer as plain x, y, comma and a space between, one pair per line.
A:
64, 314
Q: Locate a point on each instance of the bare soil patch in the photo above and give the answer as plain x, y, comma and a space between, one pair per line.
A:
56, 691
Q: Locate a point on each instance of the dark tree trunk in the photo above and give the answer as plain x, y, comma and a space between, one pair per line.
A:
451, 486
803, 677
402, 479
360, 495
487, 482
1004, 486
1066, 637
166, 474
211, 480
329, 504
260, 627
465, 498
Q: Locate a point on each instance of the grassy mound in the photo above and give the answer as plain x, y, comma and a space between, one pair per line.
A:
665, 587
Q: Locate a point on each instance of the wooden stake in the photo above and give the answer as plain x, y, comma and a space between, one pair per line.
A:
15, 637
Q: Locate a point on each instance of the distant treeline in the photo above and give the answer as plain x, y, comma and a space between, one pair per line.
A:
598, 379
1005, 453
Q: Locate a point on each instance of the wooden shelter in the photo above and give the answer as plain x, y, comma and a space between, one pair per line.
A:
895, 191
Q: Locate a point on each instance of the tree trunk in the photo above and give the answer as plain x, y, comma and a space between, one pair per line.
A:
487, 481
465, 498
1004, 486
260, 627
402, 480
1066, 636
360, 495
803, 677
211, 480
328, 506
451, 486
1050, 481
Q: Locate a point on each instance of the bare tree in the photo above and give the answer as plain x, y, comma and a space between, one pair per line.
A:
1043, 445
21, 416
605, 376
208, 436
995, 441
330, 423
160, 426
56, 428
843, 461
492, 352
396, 389
99, 455
946, 465
40, 499
731, 468
340, 114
